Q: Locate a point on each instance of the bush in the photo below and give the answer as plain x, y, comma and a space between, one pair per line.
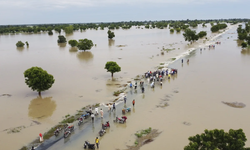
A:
202, 34
243, 44
50, 32
61, 39
171, 30
19, 44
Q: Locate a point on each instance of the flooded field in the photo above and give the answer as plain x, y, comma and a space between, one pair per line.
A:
194, 96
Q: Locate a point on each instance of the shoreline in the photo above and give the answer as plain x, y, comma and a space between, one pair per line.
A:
179, 57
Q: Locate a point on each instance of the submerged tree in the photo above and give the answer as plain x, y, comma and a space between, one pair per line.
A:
38, 79
69, 29
73, 43
244, 44
201, 34
190, 35
85, 44
61, 39
218, 140
50, 32
111, 34
19, 44
112, 67
27, 44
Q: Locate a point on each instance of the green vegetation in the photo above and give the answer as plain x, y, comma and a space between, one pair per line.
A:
61, 39
38, 79
190, 35
19, 44
183, 24
85, 44
73, 43
27, 44
143, 132
201, 34
68, 120
116, 93
218, 27
50, 32
243, 35
178, 30
112, 67
69, 29
171, 30
218, 140
111, 34
244, 44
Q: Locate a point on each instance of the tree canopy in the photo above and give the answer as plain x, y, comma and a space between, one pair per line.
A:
85, 44
73, 43
190, 35
61, 39
111, 34
201, 34
38, 79
243, 35
50, 32
19, 44
112, 67
217, 27
218, 140
69, 29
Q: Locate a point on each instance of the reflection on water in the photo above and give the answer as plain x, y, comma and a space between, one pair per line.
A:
239, 42
68, 35
73, 49
111, 42
41, 107
245, 51
62, 44
20, 49
85, 56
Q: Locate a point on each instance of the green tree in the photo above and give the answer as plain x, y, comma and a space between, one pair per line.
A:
178, 30
27, 44
61, 39
190, 35
58, 29
172, 30
38, 79
201, 34
19, 44
50, 32
69, 29
73, 43
85, 44
218, 140
244, 44
112, 67
111, 34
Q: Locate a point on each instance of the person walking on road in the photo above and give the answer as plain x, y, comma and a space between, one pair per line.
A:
96, 111
133, 102
97, 142
92, 117
109, 108
113, 107
101, 112
125, 99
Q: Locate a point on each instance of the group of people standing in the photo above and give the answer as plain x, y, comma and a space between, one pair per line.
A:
158, 75
101, 112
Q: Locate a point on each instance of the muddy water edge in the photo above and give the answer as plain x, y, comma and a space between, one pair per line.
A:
194, 96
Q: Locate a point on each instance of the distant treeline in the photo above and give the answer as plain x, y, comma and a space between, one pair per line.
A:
175, 24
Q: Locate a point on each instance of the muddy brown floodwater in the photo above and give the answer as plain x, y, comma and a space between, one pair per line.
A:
194, 96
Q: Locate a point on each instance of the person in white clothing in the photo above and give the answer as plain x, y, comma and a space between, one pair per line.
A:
96, 110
